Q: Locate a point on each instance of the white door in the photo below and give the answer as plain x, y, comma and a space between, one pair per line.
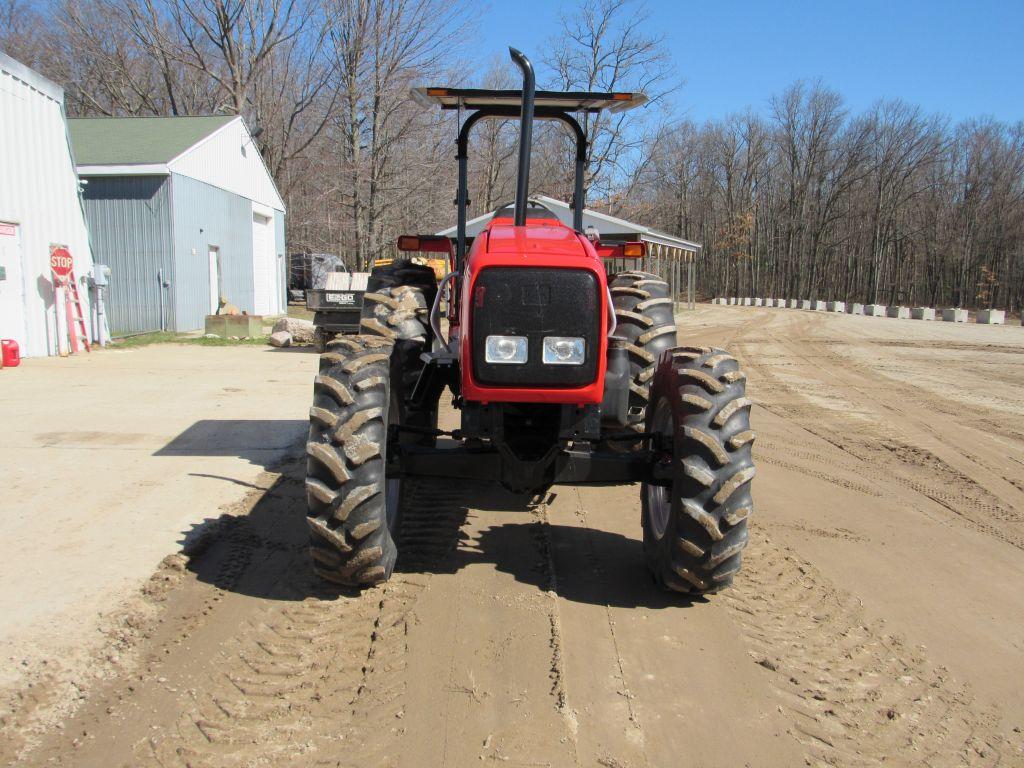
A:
264, 265
12, 286
215, 287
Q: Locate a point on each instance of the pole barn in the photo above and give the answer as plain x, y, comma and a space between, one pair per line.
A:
40, 208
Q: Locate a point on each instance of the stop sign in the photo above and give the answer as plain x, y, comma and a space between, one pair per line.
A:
60, 261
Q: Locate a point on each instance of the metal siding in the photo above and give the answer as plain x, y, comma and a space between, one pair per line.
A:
39, 192
130, 220
229, 159
263, 257
203, 216
282, 261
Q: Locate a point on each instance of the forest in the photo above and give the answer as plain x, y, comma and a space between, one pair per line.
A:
795, 197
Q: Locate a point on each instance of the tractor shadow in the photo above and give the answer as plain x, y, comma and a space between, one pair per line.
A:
577, 563
582, 565
258, 546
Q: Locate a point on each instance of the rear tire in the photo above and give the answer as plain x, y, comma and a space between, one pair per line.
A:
353, 518
644, 318
320, 339
396, 307
695, 530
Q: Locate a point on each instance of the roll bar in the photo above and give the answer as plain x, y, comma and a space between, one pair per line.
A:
527, 104
462, 156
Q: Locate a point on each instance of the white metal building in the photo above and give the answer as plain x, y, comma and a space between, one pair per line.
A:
39, 207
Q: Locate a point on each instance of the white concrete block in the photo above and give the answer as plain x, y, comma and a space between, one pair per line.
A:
794, 303
820, 306
922, 313
748, 302
837, 306
758, 302
875, 310
954, 315
805, 304
769, 302
856, 309
991, 317
732, 301
900, 313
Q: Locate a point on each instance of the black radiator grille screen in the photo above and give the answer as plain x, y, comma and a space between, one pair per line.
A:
536, 302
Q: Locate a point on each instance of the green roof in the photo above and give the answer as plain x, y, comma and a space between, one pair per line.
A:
138, 140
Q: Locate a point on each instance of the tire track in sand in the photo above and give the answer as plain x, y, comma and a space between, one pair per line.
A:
856, 694
320, 678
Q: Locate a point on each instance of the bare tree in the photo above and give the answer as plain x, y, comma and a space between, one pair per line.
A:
381, 47
603, 46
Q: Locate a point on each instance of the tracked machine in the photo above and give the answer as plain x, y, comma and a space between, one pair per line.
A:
562, 374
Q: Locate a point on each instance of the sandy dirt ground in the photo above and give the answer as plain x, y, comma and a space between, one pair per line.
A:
879, 617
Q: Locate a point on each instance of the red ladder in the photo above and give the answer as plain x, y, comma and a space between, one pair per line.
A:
75, 315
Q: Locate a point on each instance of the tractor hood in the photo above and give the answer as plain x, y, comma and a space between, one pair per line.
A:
534, 239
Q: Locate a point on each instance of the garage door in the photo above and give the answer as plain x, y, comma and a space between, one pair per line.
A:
12, 286
263, 266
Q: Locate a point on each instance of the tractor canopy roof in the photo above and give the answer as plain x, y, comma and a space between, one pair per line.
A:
568, 101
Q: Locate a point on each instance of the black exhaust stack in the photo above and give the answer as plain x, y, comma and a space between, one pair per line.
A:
525, 135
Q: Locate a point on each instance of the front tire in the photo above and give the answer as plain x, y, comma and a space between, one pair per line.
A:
696, 529
352, 516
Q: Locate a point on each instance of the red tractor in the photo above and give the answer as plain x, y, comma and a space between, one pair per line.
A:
562, 374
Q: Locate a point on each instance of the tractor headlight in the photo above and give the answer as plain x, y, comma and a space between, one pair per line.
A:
505, 349
564, 350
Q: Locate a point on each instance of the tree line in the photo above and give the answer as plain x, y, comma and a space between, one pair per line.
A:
803, 200
811, 201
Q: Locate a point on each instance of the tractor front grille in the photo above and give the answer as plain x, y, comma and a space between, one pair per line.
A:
536, 302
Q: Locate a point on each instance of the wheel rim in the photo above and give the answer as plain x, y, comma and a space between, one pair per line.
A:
658, 498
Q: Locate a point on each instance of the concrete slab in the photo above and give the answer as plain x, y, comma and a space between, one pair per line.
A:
758, 302
732, 301
954, 315
922, 313
147, 444
837, 306
875, 310
856, 309
900, 313
794, 303
805, 304
991, 317
748, 302
820, 306
234, 326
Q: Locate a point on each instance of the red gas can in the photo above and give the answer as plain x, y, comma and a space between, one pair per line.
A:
11, 353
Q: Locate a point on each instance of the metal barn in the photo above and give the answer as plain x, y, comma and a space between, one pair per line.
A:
184, 212
39, 207
667, 255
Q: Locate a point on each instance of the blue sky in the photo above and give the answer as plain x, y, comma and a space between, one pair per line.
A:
962, 59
